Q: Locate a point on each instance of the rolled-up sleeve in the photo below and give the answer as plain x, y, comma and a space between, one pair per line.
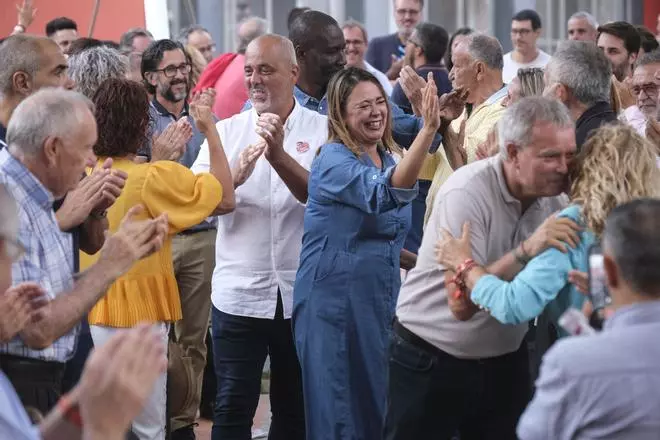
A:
405, 129
531, 290
341, 177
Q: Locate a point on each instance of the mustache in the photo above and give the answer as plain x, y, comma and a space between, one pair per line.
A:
178, 81
257, 89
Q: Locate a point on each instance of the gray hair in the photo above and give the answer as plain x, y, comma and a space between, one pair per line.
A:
584, 15
50, 112
91, 67
649, 58
583, 68
350, 24
517, 124
250, 29
8, 215
19, 53
286, 46
632, 237
187, 31
127, 38
486, 49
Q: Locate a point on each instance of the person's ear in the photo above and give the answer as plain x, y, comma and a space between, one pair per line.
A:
512, 153
632, 58
22, 83
152, 78
52, 150
300, 54
612, 275
295, 71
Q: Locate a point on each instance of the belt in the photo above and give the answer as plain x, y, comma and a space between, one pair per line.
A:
415, 340
194, 231
17, 367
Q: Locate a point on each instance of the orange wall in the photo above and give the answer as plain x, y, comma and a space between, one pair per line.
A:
114, 17
651, 11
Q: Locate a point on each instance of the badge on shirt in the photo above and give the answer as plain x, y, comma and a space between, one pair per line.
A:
302, 147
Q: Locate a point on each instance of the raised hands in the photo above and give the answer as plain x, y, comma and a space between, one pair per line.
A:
170, 144
430, 104
271, 128
95, 193
200, 109
246, 162
26, 13
412, 85
118, 378
452, 104
20, 305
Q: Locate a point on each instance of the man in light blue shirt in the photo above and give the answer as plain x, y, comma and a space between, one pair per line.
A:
607, 386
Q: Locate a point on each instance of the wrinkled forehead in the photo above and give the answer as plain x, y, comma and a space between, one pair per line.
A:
645, 73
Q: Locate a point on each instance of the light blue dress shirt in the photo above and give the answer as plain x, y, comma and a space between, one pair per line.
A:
542, 283
604, 386
14, 421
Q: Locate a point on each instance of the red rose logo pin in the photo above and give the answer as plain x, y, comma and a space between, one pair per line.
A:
302, 147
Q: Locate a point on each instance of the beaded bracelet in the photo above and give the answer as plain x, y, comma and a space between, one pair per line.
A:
461, 271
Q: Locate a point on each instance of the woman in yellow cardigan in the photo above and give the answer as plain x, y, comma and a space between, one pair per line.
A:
148, 292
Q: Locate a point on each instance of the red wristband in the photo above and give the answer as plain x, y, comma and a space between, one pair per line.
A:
70, 411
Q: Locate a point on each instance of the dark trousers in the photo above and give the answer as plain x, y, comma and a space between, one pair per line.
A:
435, 395
37, 383
240, 348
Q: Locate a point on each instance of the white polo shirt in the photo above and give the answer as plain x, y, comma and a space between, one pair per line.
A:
258, 245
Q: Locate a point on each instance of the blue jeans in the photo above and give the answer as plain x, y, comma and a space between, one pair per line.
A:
240, 347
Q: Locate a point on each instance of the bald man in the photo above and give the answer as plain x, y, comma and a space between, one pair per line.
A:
271, 148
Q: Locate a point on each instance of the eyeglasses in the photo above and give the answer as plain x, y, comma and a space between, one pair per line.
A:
170, 71
404, 12
650, 89
13, 248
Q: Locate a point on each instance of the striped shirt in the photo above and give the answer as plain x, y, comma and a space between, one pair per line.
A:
48, 260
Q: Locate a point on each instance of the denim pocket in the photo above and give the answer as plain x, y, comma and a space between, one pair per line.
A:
406, 355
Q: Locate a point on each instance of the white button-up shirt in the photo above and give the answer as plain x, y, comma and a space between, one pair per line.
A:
258, 245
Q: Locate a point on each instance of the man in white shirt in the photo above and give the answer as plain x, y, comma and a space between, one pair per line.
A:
525, 31
271, 148
355, 35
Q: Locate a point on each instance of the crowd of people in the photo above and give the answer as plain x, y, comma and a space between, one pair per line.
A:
403, 226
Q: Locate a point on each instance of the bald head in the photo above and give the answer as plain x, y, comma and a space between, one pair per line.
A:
250, 29
280, 47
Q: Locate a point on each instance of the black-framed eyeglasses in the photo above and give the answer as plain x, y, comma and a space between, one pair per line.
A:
13, 248
170, 71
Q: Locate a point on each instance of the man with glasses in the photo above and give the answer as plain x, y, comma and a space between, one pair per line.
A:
166, 71
386, 53
200, 38
355, 35
525, 31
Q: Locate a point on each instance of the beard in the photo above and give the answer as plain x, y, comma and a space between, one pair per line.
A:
170, 95
619, 70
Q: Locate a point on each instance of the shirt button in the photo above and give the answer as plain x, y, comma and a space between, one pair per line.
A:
375, 177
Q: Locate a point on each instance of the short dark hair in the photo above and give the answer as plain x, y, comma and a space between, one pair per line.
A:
307, 24
83, 43
649, 42
460, 31
293, 14
59, 24
126, 40
122, 117
154, 54
632, 235
433, 40
531, 15
625, 31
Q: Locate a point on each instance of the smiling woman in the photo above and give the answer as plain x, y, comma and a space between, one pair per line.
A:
357, 217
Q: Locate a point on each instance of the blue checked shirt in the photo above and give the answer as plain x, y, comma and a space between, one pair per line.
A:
48, 260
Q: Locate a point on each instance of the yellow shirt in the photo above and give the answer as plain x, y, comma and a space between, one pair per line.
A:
477, 126
148, 291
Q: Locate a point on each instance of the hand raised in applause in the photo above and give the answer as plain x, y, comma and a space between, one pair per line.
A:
171, 143
452, 104
20, 305
247, 160
200, 109
430, 104
271, 128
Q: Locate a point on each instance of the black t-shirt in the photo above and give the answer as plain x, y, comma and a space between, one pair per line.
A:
599, 114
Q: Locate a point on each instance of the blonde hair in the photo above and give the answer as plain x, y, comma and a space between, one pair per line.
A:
339, 90
615, 166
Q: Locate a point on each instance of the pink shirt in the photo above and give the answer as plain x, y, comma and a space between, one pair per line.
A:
231, 93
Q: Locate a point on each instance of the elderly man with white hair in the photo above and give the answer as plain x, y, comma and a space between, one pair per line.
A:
472, 376
582, 26
580, 76
118, 377
50, 139
270, 148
